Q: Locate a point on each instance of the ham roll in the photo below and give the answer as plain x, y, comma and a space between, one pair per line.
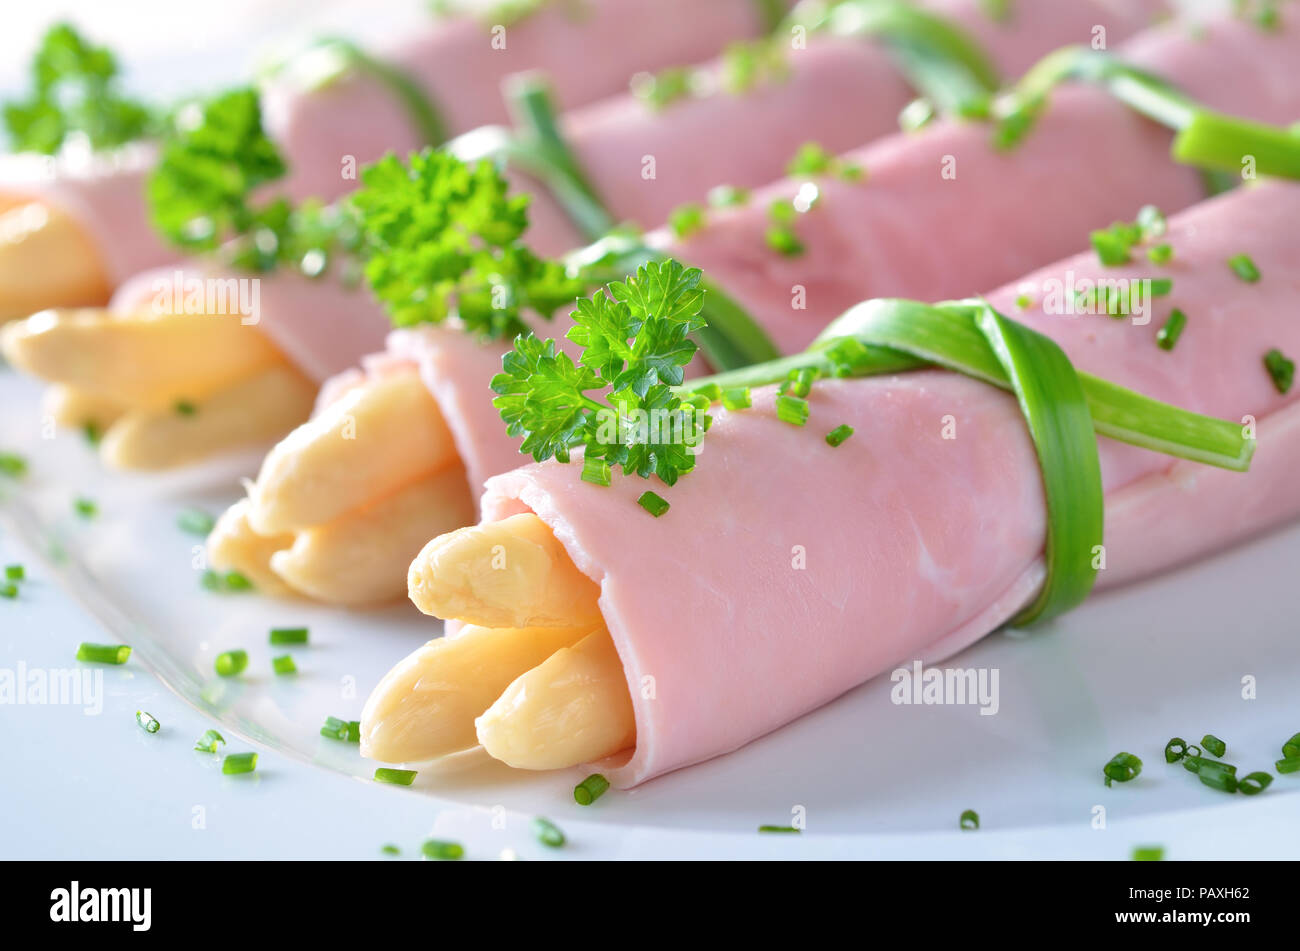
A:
787, 571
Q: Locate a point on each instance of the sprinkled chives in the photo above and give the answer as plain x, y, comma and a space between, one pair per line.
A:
596, 471
1252, 784
1291, 748
970, 820
103, 653
1024, 302
1214, 744
737, 398
1217, 775
1291, 765
185, 408
147, 722
1167, 336
354, 731
780, 829
284, 664
1122, 768
390, 849
230, 663
1175, 749
1244, 268
656, 505
728, 196
195, 522
209, 742
84, 507
225, 581
335, 729
1148, 853
237, 763
289, 635
1161, 286
686, 220
9, 590
792, 410
548, 833
439, 850
590, 789
1111, 247
1160, 253
811, 159
800, 382
12, 465
15, 573
396, 777
1280, 369
837, 436
783, 240
92, 433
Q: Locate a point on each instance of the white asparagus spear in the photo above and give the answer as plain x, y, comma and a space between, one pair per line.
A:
234, 546
360, 557
148, 361
73, 407
46, 260
512, 573
380, 436
251, 411
425, 707
573, 708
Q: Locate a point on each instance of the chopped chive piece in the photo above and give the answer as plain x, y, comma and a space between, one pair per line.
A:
230, 663
1112, 250
85, 507
439, 850
15, 572
783, 240
397, 777
225, 581
1280, 369
9, 590
1214, 744
686, 220
1167, 336
779, 829
837, 436
103, 653
1024, 302
185, 408
711, 392
1193, 750
147, 722
737, 398
284, 664
289, 635
728, 196
390, 849
1244, 268
1160, 253
1161, 286
970, 820
1252, 784
1175, 749
811, 159
195, 522
335, 728
12, 465
590, 789
548, 833
596, 471
92, 433
1291, 765
1148, 853
237, 763
209, 742
1215, 774
1122, 768
656, 505
1291, 748
354, 731
792, 410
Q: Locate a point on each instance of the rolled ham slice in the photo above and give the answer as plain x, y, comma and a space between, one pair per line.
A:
913, 545
909, 232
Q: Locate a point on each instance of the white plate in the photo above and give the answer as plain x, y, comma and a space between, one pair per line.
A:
1125, 672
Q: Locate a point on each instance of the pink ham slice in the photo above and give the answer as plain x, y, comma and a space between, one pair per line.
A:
917, 545
908, 232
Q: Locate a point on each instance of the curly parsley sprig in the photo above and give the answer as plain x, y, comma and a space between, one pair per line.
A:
635, 344
443, 238
74, 93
